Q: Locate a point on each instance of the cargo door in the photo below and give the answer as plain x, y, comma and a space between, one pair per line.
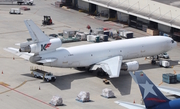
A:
65, 62
75, 64
71, 61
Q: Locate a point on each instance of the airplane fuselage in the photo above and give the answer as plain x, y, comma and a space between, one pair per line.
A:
173, 104
86, 55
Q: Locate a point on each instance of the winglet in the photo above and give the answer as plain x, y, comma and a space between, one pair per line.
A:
150, 93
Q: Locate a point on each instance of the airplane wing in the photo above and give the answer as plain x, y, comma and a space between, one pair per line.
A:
36, 34
15, 51
130, 105
169, 90
111, 66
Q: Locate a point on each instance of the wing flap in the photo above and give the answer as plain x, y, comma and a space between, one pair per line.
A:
111, 66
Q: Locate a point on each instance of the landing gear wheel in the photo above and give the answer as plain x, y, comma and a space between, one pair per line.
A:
100, 73
153, 62
35, 76
47, 80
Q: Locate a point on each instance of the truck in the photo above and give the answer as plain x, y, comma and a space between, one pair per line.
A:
125, 34
26, 2
15, 11
20, 2
164, 64
164, 55
47, 76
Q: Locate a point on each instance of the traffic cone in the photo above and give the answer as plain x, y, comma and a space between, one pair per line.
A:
2, 72
39, 88
134, 101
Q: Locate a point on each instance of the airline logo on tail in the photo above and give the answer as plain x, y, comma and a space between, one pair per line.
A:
150, 93
45, 46
148, 88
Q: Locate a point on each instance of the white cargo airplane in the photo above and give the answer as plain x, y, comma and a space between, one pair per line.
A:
109, 55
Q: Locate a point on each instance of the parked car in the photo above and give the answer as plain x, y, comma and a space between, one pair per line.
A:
15, 11
164, 55
25, 8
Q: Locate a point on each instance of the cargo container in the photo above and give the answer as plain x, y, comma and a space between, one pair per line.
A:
113, 33
68, 33
169, 78
92, 38
178, 77
152, 32
125, 34
81, 35
106, 32
103, 37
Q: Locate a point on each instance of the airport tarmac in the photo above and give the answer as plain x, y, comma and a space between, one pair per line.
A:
19, 90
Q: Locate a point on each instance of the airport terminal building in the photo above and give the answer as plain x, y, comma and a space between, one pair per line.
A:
162, 17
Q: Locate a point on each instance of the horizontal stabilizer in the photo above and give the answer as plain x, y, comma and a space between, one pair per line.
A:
111, 66
130, 105
20, 54
169, 90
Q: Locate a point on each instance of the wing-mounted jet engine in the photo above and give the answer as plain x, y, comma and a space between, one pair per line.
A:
130, 66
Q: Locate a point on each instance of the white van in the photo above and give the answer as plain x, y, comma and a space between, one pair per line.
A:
15, 11
26, 2
164, 64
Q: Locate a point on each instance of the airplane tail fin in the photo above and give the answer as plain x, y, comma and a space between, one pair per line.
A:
36, 34
150, 93
40, 42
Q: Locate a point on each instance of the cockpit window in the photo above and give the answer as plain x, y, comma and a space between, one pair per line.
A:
172, 41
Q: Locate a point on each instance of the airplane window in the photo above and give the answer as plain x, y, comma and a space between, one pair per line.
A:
172, 41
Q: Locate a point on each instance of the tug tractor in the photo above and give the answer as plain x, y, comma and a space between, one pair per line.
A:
47, 20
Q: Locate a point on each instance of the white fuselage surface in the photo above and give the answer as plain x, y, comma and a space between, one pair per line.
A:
86, 55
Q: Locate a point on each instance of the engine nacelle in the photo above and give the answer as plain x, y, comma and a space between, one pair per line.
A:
130, 66
44, 46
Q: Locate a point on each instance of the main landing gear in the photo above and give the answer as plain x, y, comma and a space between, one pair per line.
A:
154, 59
